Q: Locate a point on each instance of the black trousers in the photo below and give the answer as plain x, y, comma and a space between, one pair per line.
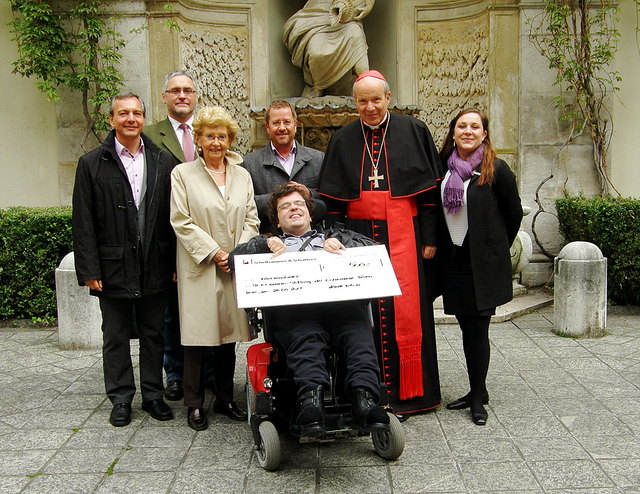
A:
119, 318
224, 365
475, 342
305, 331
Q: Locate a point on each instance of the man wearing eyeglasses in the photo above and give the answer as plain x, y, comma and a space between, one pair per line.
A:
306, 330
174, 135
282, 160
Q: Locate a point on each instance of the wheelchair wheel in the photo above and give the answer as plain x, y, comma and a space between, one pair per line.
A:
389, 445
268, 453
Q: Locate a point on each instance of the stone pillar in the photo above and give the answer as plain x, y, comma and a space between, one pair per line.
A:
580, 298
79, 317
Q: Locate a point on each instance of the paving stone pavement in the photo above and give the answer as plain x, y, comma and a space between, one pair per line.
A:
564, 417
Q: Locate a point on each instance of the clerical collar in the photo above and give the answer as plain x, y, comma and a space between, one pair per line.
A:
374, 127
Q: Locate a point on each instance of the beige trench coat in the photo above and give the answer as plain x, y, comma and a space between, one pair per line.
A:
205, 222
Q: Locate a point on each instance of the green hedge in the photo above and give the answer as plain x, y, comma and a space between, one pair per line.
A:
613, 224
34, 241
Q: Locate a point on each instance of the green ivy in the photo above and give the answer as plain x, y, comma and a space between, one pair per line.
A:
33, 241
613, 224
72, 45
579, 40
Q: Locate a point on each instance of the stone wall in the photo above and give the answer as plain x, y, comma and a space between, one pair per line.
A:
218, 59
453, 70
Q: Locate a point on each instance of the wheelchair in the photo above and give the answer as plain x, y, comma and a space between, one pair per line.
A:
272, 396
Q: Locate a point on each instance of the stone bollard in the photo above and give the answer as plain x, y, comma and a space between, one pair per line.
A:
79, 316
580, 286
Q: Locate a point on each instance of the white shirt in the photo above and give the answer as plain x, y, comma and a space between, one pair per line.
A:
134, 166
457, 223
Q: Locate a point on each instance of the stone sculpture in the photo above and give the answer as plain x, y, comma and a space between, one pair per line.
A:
521, 252
327, 41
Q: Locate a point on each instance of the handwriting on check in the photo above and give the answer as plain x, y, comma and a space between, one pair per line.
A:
295, 282
314, 276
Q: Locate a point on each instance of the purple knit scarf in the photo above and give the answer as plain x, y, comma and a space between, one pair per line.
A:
461, 170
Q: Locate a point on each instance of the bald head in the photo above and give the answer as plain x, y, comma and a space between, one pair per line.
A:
372, 97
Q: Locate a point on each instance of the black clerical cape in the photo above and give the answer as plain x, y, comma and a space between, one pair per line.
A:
395, 204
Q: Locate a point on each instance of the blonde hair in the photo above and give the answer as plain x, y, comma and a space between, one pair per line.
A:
215, 116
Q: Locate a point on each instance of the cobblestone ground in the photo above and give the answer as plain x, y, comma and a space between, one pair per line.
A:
564, 417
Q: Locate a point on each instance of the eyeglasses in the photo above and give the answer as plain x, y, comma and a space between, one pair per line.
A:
287, 205
211, 138
175, 91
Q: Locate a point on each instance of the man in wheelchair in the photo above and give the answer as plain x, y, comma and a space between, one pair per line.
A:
305, 331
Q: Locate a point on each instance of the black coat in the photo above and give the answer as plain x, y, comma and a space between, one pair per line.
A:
494, 213
105, 224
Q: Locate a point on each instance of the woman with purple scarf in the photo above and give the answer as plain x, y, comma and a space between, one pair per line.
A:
482, 214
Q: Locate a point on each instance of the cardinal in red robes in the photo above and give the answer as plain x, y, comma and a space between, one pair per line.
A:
380, 177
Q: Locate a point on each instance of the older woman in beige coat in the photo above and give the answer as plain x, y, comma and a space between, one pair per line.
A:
212, 211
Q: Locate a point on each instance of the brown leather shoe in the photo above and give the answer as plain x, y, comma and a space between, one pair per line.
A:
197, 419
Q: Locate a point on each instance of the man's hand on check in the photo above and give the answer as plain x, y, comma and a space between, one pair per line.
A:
333, 245
276, 246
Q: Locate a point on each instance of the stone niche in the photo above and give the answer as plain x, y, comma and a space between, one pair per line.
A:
319, 117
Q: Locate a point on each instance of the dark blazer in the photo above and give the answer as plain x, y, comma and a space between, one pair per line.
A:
267, 173
106, 240
494, 212
163, 136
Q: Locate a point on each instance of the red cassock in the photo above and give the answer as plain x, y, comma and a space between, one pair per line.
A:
385, 187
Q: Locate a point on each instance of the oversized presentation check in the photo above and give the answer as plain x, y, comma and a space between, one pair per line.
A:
314, 276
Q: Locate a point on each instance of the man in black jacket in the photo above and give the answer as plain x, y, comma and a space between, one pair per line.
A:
304, 331
124, 251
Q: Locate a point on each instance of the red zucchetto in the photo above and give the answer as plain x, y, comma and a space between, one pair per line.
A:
371, 73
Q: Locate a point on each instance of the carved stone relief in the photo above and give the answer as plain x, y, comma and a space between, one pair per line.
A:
218, 59
453, 71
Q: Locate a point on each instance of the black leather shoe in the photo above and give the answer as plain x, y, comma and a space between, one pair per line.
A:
173, 391
231, 410
158, 409
310, 419
366, 413
479, 415
465, 402
120, 415
197, 419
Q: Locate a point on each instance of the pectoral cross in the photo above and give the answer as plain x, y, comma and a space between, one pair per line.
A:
375, 178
